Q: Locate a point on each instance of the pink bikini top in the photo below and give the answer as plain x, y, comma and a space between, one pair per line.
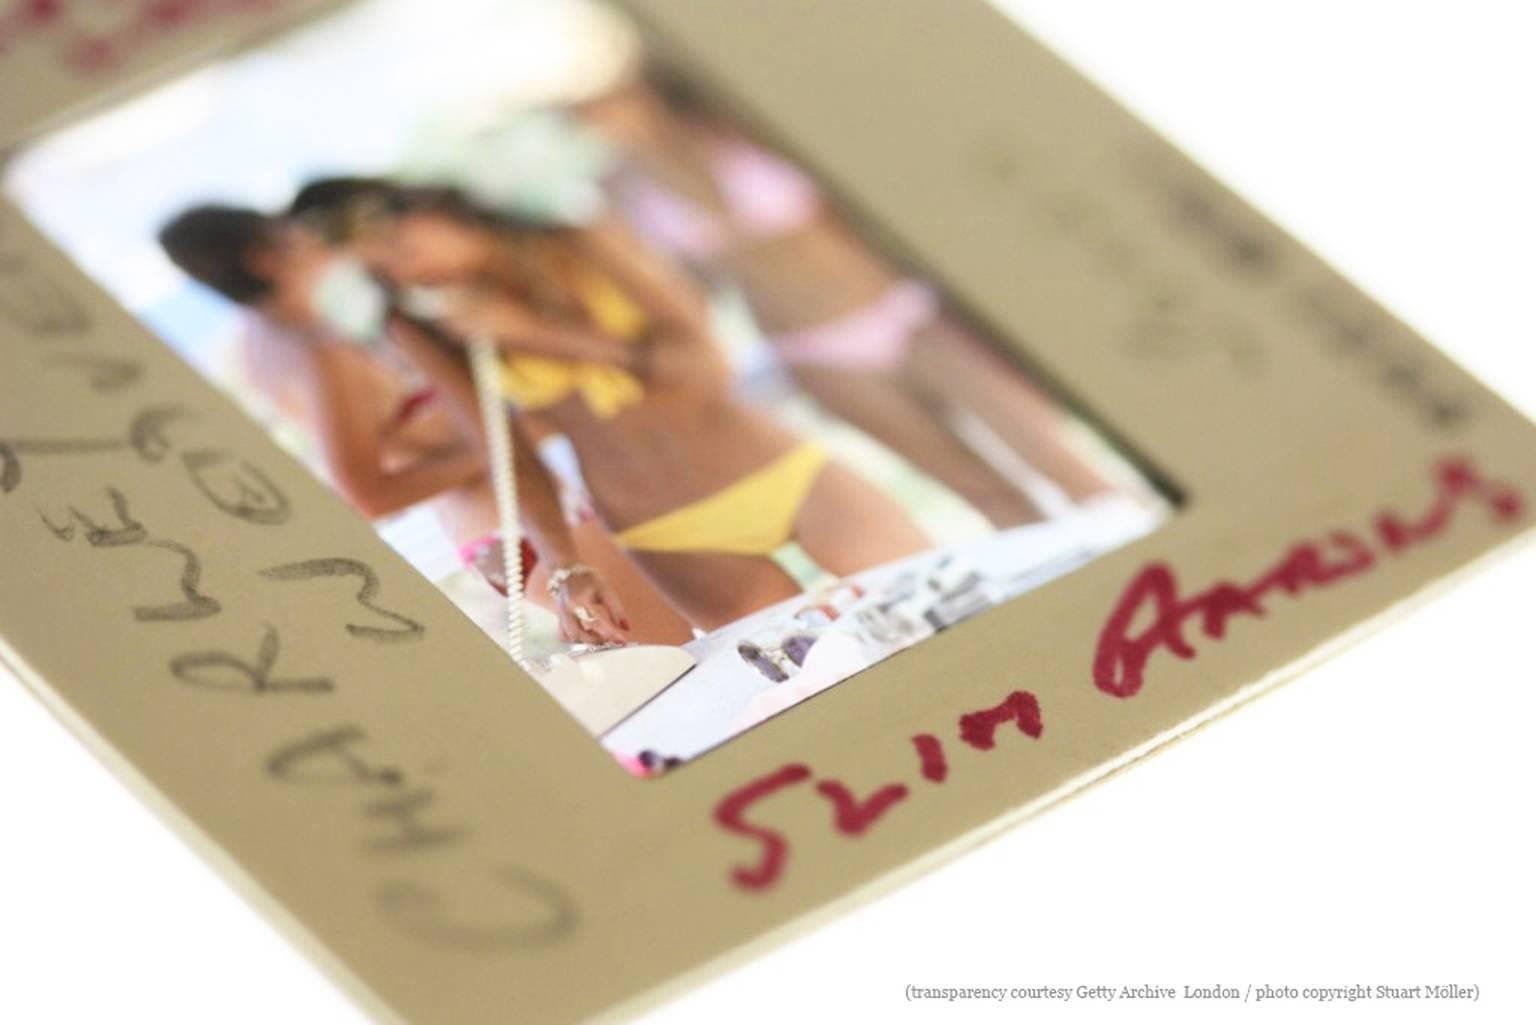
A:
767, 198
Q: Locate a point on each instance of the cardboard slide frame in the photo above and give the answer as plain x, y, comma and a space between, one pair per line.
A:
440, 835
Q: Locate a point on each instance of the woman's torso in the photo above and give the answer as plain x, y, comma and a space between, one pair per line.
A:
675, 446
411, 423
682, 436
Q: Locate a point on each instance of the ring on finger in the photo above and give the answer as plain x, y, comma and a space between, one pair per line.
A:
583, 615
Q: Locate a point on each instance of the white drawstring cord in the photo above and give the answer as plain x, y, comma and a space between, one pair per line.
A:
485, 363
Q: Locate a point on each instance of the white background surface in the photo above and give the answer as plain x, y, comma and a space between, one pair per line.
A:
1367, 823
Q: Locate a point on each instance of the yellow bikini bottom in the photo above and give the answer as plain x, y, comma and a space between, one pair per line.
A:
753, 516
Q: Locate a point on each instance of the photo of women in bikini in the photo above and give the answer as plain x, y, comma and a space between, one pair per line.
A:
614, 373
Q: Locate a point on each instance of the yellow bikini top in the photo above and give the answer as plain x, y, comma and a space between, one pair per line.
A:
535, 382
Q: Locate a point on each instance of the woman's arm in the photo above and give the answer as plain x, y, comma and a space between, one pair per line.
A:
538, 496
651, 278
681, 349
676, 349
481, 312
344, 404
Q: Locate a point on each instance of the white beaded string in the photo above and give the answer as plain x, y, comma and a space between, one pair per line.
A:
485, 363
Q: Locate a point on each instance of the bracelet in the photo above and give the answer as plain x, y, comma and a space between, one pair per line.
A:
558, 578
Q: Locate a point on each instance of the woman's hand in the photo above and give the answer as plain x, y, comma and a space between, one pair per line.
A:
589, 611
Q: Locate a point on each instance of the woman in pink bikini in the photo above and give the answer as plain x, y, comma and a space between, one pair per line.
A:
871, 345
386, 443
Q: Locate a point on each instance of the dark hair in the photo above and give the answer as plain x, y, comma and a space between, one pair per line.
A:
677, 91
212, 244
455, 204
331, 207
338, 208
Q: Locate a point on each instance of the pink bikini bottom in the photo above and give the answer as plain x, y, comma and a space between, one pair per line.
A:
874, 338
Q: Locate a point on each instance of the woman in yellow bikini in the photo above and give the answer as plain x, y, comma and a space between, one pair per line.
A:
610, 346
385, 442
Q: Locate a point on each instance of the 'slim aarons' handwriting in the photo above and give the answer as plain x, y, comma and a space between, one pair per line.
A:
1125, 649
1120, 663
399, 821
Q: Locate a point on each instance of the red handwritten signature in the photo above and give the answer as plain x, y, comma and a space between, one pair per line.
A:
1120, 663
852, 816
1119, 666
